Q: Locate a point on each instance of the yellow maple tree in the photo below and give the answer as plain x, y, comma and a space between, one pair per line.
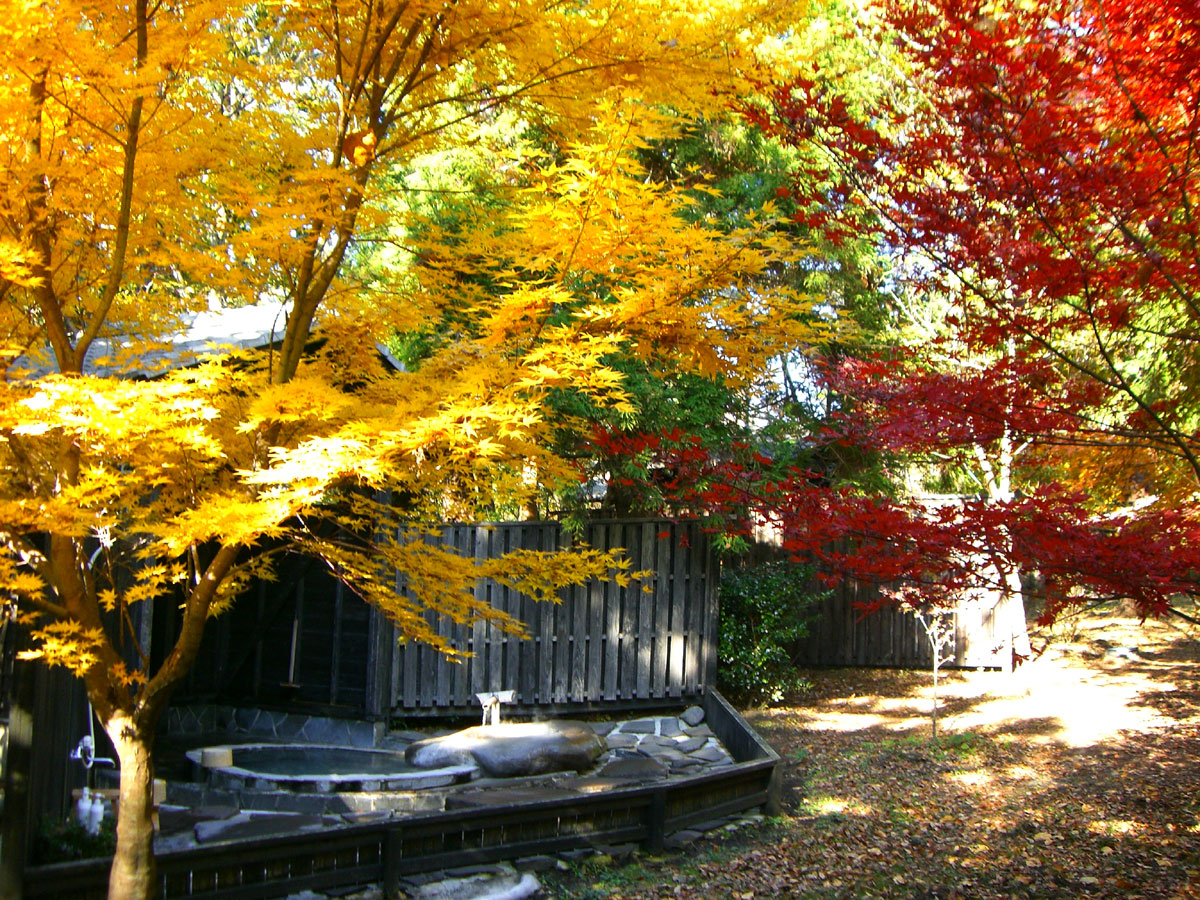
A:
168, 158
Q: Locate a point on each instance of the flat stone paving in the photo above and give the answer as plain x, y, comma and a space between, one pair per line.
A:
639, 751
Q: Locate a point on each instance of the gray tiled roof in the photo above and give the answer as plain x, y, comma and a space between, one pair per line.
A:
210, 331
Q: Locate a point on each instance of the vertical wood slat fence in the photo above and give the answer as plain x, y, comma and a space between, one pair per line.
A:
602, 644
840, 634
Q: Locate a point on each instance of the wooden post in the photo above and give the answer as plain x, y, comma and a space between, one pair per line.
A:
335, 662
393, 854
380, 644
656, 821
260, 605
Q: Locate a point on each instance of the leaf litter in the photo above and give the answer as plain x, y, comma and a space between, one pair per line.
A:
1073, 778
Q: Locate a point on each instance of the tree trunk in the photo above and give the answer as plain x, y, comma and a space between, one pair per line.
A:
936, 665
133, 870
1016, 624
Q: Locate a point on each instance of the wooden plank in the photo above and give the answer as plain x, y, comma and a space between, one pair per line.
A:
534, 537
694, 615
396, 695
676, 638
295, 669
480, 638
513, 646
645, 542
692, 609
577, 599
830, 603
442, 668
838, 650
915, 645
407, 664
730, 807
260, 603
834, 642
819, 655
656, 821
627, 677
870, 625
379, 665
488, 663
878, 645
474, 544
486, 636
428, 673
562, 631
593, 687
612, 624
526, 610
664, 543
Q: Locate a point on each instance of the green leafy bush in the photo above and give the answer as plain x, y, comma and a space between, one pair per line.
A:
765, 612
68, 840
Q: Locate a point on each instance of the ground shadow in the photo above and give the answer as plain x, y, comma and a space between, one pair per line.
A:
1079, 784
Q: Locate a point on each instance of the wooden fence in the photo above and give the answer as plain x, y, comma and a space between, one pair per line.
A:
307, 642
841, 634
603, 644
354, 855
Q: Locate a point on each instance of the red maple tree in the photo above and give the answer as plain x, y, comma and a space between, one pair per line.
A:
1038, 167
1042, 166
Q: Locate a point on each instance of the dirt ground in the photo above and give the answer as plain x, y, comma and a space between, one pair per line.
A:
1074, 778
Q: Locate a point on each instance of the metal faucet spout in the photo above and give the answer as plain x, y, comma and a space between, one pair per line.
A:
491, 704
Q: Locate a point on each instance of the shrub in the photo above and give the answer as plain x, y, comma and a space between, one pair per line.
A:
68, 840
765, 612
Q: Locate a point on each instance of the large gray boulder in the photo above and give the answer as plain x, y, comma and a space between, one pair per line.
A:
512, 749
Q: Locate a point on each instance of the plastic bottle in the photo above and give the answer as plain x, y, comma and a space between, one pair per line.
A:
95, 814
83, 807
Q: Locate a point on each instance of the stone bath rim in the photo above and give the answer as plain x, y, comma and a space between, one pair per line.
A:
402, 777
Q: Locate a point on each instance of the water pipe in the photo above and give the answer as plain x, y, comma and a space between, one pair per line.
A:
85, 750
491, 705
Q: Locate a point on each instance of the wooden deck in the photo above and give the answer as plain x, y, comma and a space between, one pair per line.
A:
355, 855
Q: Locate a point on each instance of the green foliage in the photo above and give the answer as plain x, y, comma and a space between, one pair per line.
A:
765, 611
66, 841
659, 403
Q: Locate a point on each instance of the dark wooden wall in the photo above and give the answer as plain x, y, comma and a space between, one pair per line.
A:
603, 644
60, 714
300, 640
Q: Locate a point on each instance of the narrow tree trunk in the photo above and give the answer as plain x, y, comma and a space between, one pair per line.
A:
1016, 624
133, 871
936, 665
